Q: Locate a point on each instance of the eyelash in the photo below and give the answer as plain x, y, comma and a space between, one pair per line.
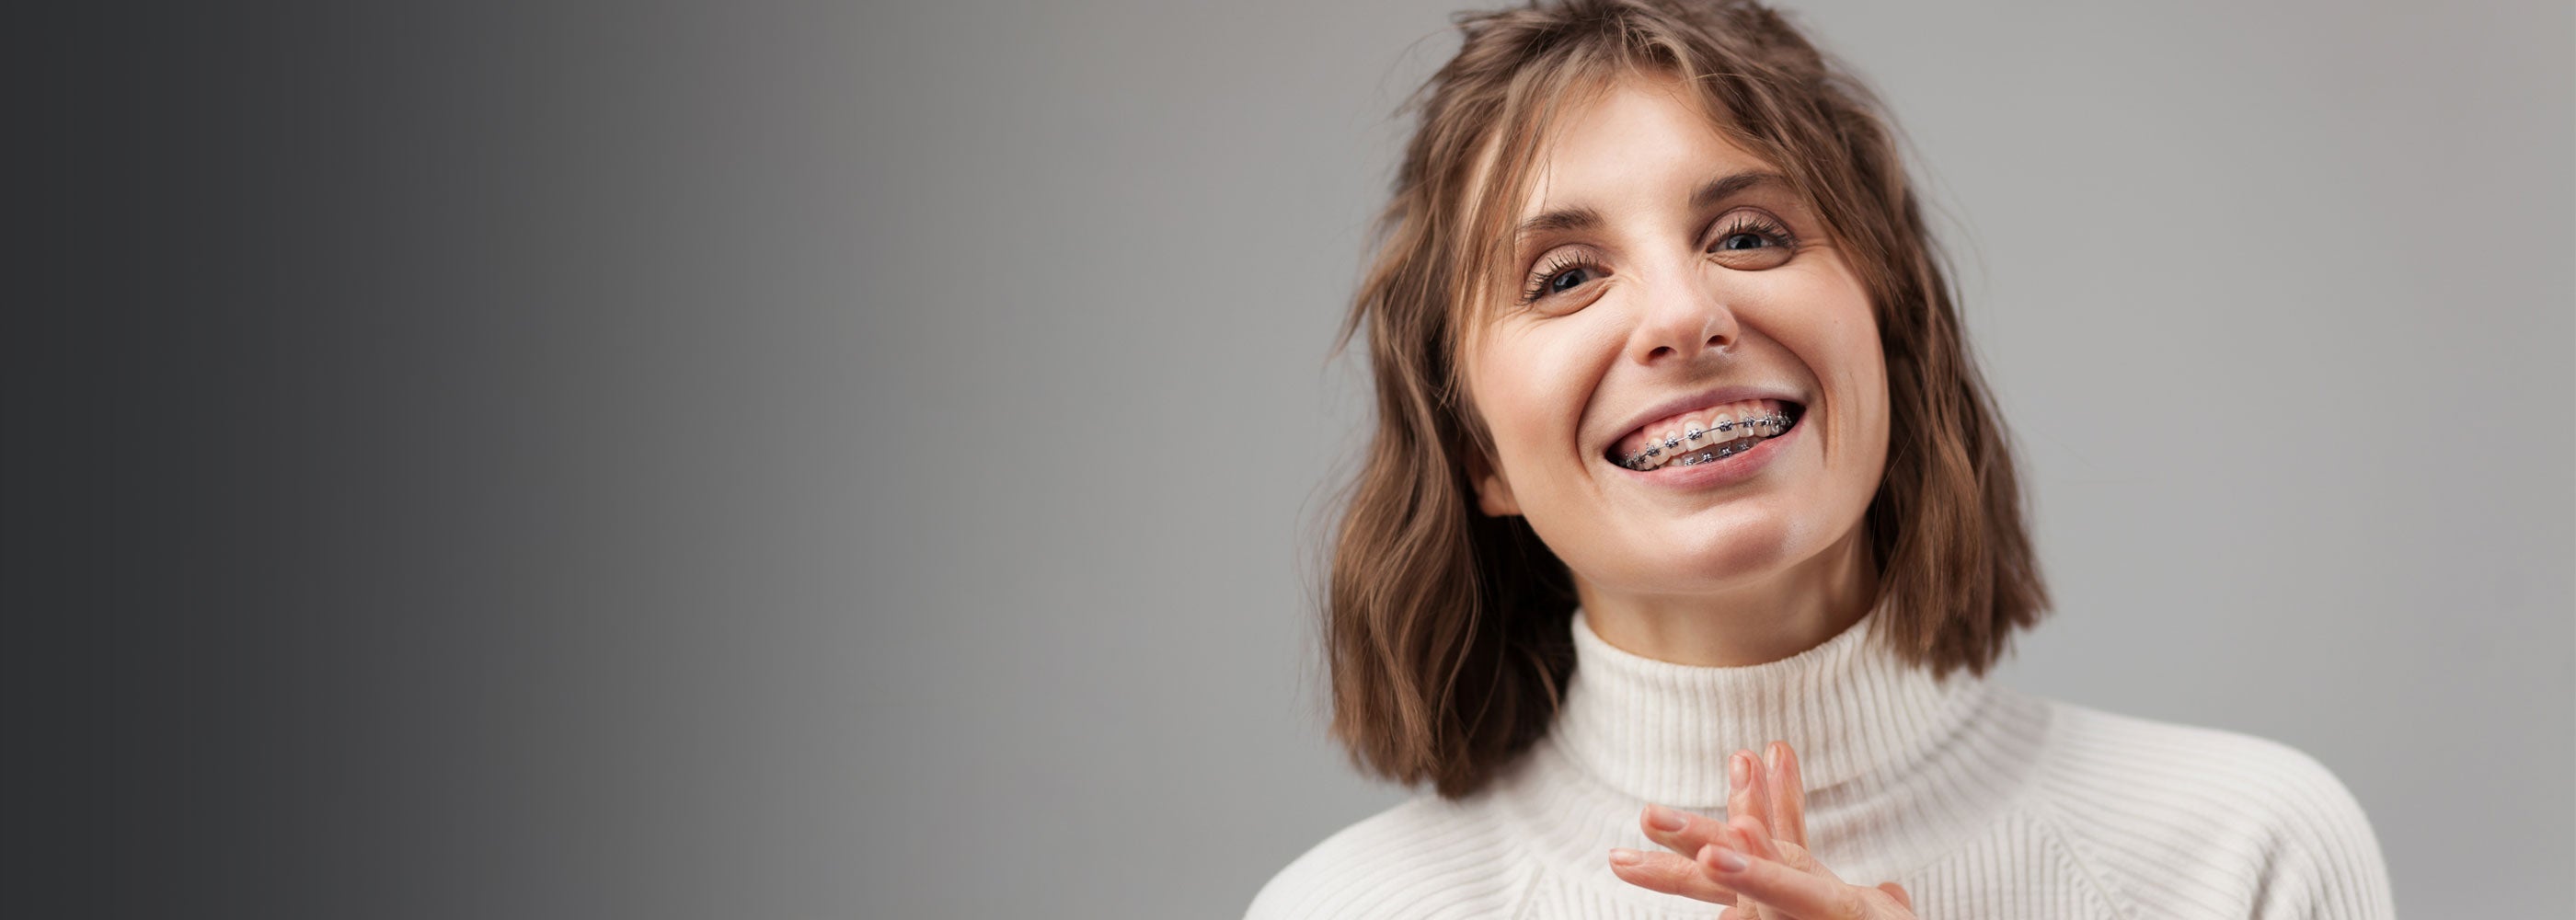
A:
1756, 223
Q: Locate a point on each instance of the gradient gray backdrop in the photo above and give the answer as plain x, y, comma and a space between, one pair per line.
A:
763, 460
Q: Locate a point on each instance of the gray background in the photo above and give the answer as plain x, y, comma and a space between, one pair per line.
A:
545, 460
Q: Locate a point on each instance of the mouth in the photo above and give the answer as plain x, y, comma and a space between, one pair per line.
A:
1703, 435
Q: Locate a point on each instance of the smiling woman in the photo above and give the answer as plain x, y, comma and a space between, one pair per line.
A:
1679, 455
1681, 312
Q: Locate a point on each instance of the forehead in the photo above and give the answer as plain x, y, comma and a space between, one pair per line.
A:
1638, 139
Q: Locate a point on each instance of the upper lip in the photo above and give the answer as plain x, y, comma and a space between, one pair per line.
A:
1698, 400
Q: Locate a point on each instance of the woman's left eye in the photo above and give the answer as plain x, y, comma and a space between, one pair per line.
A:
1754, 241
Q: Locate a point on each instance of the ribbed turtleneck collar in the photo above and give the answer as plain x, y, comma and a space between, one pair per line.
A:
1662, 732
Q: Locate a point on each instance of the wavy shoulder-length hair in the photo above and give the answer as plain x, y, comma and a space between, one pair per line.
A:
1446, 631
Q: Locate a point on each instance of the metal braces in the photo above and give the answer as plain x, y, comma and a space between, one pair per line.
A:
1772, 422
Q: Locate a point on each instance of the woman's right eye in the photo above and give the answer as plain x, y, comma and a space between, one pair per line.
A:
1559, 276
1568, 280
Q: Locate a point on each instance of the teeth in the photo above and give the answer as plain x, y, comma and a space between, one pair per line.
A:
1726, 433
1710, 427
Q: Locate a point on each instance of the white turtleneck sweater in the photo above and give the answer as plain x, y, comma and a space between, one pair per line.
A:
1982, 801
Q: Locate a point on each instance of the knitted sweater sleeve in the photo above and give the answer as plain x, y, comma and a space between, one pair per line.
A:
1420, 860
2320, 857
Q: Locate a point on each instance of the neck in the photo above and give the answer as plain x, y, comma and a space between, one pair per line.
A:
1772, 618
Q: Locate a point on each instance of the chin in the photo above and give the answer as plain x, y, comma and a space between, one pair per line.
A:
1704, 553
1739, 552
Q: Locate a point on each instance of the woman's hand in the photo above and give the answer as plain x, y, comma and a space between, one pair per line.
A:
1757, 861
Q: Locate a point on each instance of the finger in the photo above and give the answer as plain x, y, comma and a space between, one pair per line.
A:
1746, 835
1744, 799
1750, 836
1788, 816
1686, 834
1745, 790
1785, 890
1746, 908
1897, 891
1670, 873
1681, 831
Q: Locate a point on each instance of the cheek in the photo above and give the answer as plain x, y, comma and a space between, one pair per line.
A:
1862, 371
1530, 390
1834, 334
1858, 383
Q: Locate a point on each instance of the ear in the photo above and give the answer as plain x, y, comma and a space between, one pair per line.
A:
1493, 493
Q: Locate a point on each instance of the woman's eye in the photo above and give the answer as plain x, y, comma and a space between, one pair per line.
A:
1568, 280
1558, 276
1754, 242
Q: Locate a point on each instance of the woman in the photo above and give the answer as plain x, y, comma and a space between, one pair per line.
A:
1679, 457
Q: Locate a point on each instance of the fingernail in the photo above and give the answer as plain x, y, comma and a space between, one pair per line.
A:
1735, 772
1665, 819
1620, 856
1728, 860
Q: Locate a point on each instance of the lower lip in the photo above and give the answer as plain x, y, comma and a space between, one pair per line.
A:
1726, 470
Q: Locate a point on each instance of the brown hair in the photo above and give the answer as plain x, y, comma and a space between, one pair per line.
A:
1447, 631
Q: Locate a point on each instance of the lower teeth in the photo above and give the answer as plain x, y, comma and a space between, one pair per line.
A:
1722, 452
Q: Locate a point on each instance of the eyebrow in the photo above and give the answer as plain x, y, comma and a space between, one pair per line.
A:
1583, 218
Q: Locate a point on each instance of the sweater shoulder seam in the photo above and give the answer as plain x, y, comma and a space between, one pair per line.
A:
1527, 897
2046, 817
2064, 719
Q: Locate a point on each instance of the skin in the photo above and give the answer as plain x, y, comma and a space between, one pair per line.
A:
1674, 300
1659, 298
1772, 875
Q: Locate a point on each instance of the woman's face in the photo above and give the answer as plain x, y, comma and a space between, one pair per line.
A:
1668, 282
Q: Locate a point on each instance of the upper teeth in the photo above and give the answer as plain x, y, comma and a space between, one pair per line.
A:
1755, 429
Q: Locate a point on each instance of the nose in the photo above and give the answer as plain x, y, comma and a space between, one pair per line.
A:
1686, 316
